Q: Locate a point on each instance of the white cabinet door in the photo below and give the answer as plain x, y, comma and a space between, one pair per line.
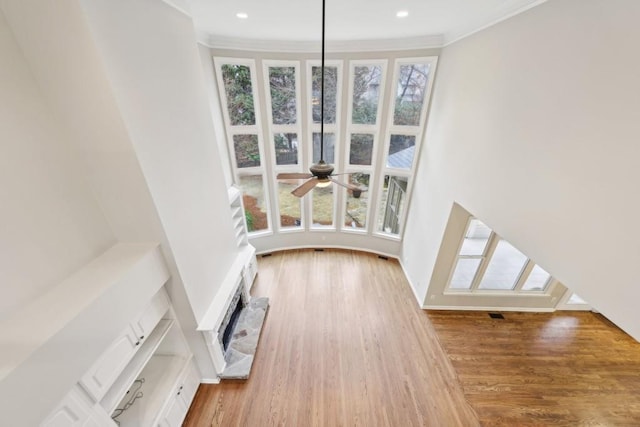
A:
104, 372
189, 385
150, 317
70, 412
181, 398
249, 271
175, 413
76, 411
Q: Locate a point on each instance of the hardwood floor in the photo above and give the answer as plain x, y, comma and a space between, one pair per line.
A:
344, 344
544, 369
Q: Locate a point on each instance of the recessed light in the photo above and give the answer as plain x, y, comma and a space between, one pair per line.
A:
402, 14
242, 15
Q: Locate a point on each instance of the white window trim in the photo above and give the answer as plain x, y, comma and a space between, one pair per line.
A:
255, 129
333, 128
295, 128
391, 129
485, 258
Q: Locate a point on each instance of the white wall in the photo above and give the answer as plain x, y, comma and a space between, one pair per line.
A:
51, 223
216, 112
70, 68
534, 129
152, 62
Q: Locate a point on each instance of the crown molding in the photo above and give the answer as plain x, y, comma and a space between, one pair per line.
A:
454, 37
181, 6
411, 43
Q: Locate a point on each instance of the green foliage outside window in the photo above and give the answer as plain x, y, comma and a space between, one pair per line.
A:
237, 86
366, 83
330, 93
412, 86
282, 82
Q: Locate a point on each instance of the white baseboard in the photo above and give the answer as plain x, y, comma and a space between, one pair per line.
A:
413, 288
215, 380
484, 308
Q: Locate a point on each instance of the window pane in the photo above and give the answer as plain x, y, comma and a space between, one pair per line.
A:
286, 146
282, 81
476, 238
357, 202
504, 267
392, 204
246, 150
361, 149
401, 151
537, 280
237, 87
464, 273
329, 147
330, 93
323, 206
254, 203
366, 93
410, 93
289, 204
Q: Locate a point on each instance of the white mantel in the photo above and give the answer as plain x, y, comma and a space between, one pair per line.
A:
240, 274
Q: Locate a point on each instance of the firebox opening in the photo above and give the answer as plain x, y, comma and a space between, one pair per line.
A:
228, 331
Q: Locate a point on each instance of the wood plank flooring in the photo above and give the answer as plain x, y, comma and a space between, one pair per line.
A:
544, 369
344, 344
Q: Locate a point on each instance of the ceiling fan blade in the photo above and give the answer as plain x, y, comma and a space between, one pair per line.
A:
305, 187
293, 176
349, 186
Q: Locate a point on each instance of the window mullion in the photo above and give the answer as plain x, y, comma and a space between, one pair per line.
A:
488, 253
524, 275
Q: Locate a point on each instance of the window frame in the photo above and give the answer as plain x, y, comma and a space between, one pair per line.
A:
328, 128
272, 129
255, 129
391, 129
390, 63
372, 129
485, 259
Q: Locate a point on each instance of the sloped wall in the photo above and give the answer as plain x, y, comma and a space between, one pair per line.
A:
51, 224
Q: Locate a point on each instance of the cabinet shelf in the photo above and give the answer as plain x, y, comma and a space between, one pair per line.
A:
161, 374
238, 222
133, 369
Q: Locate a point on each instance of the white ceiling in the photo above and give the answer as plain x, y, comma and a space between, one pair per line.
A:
349, 20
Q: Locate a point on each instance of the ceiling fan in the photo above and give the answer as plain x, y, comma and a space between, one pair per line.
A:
321, 173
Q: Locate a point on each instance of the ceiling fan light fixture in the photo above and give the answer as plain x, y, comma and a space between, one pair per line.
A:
323, 182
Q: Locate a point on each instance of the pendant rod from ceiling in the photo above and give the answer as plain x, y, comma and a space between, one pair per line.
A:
322, 89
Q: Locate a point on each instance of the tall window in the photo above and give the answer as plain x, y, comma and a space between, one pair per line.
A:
283, 112
241, 115
412, 82
324, 199
366, 88
373, 129
488, 263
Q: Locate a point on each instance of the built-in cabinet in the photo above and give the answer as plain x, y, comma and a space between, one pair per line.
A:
146, 377
119, 357
181, 397
77, 410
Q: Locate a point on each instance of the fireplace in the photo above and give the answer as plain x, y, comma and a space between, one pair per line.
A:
230, 319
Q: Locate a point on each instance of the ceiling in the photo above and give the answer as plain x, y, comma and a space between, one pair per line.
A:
349, 20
